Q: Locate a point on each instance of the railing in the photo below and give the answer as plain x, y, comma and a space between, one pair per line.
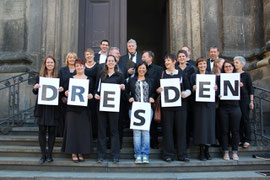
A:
261, 116
10, 89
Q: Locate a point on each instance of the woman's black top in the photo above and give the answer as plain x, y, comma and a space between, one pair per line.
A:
115, 78
64, 75
184, 85
247, 88
92, 72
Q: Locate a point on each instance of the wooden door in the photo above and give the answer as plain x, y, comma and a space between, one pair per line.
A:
102, 19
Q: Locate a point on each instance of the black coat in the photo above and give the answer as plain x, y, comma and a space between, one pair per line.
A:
46, 115
124, 60
204, 114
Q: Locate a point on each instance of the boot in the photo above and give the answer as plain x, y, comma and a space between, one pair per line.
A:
206, 153
202, 154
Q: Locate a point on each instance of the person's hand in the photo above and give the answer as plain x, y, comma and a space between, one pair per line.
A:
131, 71
194, 88
241, 84
66, 93
251, 105
131, 100
159, 90
215, 87
90, 96
36, 86
122, 87
185, 94
151, 100
97, 97
60, 89
64, 100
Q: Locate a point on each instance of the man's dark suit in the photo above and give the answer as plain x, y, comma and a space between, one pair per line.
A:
123, 61
96, 58
208, 65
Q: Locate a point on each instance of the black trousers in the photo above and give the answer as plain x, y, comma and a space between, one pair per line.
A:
245, 128
229, 122
171, 120
112, 118
42, 139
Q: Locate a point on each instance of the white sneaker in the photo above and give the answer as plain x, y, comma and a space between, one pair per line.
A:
138, 160
145, 160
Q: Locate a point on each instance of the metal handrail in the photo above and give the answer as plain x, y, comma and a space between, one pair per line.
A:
262, 96
14, 114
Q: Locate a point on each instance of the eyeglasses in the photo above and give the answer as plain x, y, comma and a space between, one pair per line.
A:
227, 66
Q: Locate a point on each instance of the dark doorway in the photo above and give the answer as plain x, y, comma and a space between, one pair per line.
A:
102, 19
147, 23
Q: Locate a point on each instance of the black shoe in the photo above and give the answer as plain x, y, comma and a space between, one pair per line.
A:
42, 159
202, 157
50, 159
206, 153
168, 160
100, 160
115, 160
185, 159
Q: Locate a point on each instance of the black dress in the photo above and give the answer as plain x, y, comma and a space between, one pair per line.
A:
203, 120
46, 115
78, 130
64, 75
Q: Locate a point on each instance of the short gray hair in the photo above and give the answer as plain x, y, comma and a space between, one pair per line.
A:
114, 48
241, 59
132, 41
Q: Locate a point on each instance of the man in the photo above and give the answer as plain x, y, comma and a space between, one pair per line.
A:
132, 56
154, 73
101, 56
189, 61
213, 54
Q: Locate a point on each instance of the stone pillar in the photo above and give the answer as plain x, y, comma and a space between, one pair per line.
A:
236, 27
266, 11
242, 27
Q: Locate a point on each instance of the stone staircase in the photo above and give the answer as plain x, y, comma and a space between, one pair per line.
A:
20, 153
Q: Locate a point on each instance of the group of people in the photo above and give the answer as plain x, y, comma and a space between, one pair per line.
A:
209, 123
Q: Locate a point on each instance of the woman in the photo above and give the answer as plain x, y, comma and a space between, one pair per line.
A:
246, 100
175, 117
78, 132
109, 74
140, 89
91, 69
204, 117
186, 70
218, 66
229, 117
218, 63
47, 115
64, 74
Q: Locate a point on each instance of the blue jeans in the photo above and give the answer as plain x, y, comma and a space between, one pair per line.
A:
141, 141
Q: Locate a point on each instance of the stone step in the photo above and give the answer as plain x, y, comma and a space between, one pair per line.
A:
128, 166
126, 152
37, 175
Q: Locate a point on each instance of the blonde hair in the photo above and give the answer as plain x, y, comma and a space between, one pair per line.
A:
69, 54
89, 50
215, 69
43, 71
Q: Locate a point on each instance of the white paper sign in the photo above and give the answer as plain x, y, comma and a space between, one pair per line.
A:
110, 97
48, 92
205, 84
171, 94
230, 86
78, 92
140, 116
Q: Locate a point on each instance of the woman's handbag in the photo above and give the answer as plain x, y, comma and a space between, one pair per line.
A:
157, 108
